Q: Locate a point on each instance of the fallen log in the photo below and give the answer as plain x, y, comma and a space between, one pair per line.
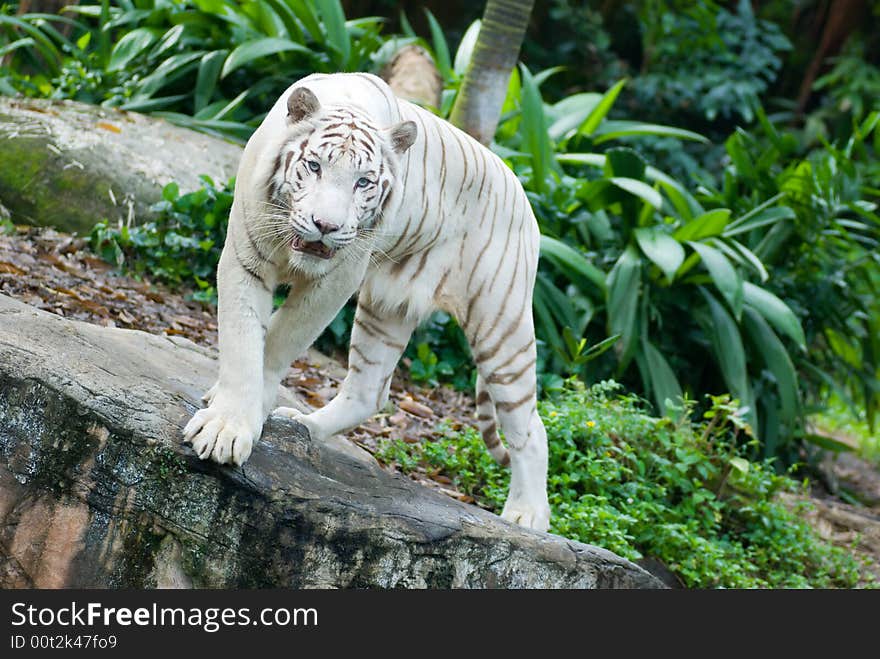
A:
96, 489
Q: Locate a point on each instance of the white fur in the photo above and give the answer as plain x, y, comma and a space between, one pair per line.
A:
457, 233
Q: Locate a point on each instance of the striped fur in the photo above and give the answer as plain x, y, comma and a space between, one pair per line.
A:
424, 218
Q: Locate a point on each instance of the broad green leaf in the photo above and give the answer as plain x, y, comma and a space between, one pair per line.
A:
763, 218
167, 72
683, 201
664, 384
591, 123
711, 223
169, 40
534, 130
571, 112
544, 74
466, 48
624, 291
333, 19
206, 81
747, 256
664, 250
740, 464
52, 56
777, 360
728, 348
724, 276
305, 12
775, 311
252, 50
626, 162
288, 18
610, 130
566, 256
640, 189
441, 48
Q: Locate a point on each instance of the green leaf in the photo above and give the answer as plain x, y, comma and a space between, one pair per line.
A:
728, 348
534, 130
252, 50
740, 464
610, 130
624, 291
441, 49
333, 19
747, 256
640, 189
571, 112
130, 46
664, 250
288, 18
466, 48
206, 81
778, 362
305, 12
776, 312
664, 384
625, 162
569, 258
591, 123
757, 220
723, 274
708, 224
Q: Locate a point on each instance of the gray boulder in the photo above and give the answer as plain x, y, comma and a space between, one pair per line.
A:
69, 165
96, 489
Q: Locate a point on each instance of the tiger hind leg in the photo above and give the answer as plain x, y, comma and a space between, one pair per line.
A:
505, 357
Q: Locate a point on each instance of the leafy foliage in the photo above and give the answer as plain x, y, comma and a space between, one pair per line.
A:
641, 486
210, 65
702, 57
181, 246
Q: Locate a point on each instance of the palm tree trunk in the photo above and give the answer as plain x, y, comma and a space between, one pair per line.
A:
478, 106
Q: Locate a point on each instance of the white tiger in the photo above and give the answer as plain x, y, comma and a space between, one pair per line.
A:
345, 188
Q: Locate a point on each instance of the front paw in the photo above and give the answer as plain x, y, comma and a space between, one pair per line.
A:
530, 514
315, 431
222, 435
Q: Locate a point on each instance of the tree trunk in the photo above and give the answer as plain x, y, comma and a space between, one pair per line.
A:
97, 491
478, 106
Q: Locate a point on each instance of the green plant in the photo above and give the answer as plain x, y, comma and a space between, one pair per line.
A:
700, 57
181, 246
627, 250
210, 65
640, 486
823, 253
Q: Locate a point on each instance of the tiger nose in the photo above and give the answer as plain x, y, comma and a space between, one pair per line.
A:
325, 227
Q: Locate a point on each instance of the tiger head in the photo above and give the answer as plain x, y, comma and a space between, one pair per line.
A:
332, 176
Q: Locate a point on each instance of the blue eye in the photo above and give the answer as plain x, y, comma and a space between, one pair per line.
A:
314, 166
363, 182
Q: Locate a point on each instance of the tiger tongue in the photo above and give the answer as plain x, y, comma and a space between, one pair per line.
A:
316, 248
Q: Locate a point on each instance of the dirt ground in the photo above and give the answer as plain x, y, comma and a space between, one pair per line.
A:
57, 273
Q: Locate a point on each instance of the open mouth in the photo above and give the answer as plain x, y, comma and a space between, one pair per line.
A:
316, 248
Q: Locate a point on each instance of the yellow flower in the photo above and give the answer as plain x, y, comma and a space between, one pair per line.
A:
591, 424
553, 413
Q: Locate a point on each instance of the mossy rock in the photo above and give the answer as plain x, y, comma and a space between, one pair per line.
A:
69, 165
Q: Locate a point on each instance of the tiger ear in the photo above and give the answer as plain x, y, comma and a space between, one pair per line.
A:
402, 136
301, 103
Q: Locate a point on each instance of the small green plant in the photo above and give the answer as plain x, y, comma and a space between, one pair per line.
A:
181, 246
681, 492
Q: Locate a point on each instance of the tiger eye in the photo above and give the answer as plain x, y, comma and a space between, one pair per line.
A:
314, 166
363, 182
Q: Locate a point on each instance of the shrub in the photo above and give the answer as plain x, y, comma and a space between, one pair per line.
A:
641, 486
181, 246
211, 65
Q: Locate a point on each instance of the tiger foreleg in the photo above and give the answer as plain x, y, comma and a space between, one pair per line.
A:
227, 428
377, 342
